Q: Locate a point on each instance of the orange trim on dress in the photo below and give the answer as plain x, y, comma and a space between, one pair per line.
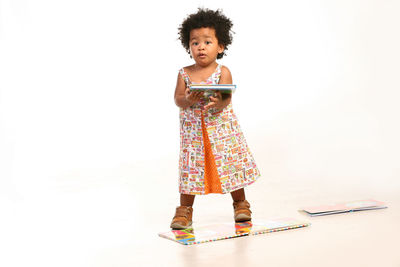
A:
212, 183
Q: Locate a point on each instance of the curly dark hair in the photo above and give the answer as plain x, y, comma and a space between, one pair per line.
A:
211, 19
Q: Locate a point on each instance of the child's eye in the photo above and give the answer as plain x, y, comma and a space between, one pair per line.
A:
208, 42
195, 43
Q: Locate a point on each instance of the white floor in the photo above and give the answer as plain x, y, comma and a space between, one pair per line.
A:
111, 217
80, 103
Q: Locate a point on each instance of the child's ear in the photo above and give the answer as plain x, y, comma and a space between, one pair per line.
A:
221, 48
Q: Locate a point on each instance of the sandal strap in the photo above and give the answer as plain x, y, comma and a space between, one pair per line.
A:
241, 204
183, 211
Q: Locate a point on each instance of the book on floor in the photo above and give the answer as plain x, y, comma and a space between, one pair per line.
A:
220, 231
360, 205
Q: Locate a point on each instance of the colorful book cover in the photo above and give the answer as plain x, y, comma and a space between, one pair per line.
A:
223, 88
367, 204
215, 232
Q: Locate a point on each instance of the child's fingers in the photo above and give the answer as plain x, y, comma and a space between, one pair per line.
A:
193, 96
218, 94
214, 99
209, 105
198, 94
193, 93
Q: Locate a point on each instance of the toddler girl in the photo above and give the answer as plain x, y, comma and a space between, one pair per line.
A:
214, 157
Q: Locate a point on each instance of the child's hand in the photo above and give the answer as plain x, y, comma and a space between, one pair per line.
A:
215, 102
193, 97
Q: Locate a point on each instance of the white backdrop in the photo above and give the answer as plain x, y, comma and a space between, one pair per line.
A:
88, 85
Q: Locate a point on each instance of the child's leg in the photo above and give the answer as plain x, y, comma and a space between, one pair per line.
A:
238, 195
187, 200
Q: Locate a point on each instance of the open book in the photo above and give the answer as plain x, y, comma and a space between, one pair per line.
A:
220, 231
223, 88
367, 204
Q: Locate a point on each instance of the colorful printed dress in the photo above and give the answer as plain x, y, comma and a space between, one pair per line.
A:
214, 156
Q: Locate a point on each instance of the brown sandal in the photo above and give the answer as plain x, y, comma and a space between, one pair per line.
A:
182, 218
242, 211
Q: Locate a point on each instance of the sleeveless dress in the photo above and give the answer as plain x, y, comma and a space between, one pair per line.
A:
214, 156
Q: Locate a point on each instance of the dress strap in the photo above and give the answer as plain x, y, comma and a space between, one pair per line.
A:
217, 74
185, 76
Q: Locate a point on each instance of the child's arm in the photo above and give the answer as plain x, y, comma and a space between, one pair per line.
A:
221, 101
183, 97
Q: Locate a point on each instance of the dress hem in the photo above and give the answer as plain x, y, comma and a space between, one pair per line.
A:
223, 193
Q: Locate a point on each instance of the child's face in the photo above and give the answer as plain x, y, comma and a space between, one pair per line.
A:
204, 46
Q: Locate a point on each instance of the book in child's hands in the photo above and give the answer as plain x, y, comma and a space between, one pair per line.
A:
223, 88
221, 231
368, 204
